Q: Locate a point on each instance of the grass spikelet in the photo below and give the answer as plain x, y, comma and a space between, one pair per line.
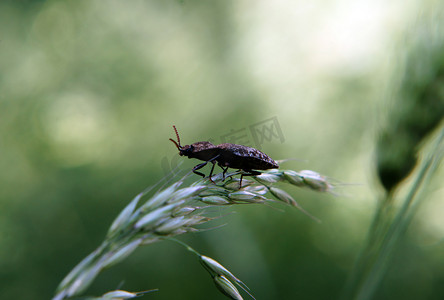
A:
156, 215
160, 198
315, 181
215, 200
124, 217
227, 288
270, 178
242, 195
122, 295
183, 211
176, 210
286, 198
121, 253
294, 178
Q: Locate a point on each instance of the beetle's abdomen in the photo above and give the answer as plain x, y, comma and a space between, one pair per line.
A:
243, 157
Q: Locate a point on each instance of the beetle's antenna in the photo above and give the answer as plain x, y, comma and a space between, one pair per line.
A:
179, 147
175, 143
177, 135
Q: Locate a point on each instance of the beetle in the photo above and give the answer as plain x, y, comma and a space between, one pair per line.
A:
226, 155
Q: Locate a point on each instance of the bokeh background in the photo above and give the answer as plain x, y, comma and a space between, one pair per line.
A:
89, 91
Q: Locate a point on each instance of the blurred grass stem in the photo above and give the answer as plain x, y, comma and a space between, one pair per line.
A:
387, 229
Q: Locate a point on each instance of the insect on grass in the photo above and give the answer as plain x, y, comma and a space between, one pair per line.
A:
226, 155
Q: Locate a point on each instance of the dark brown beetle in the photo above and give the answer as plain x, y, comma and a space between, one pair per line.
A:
227, 156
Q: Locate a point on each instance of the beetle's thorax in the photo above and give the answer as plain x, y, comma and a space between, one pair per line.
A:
199, 150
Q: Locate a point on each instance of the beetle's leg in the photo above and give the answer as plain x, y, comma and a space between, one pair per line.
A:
224, 172
199, 166
250, 173
211, 172
223, 169
212, 168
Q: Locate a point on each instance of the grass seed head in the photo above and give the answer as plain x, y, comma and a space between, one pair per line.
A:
215, 200
186, 193
242, 195
77, 270
121, 295
215, 268
282, 196
160, 198
233, 184
258, 189
154, 216
173, 211
270, 178
227, 288
183, 211
294, 178
213, 189
118, 295
170, 225
286, 198
316, 181
84, 280
125, 216
121, 253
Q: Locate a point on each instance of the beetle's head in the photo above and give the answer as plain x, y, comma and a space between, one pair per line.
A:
183, 150
186, 150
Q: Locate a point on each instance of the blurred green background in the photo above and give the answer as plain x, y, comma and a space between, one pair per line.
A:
89, 91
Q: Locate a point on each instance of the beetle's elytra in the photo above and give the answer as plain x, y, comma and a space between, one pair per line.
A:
226, 155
